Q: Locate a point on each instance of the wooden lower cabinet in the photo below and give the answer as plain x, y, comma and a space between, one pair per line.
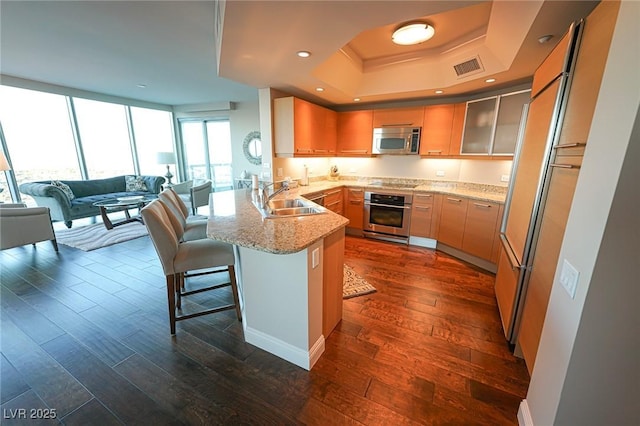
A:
333, 200
354, 207
452, 221
480, 228
421, 215
332, 270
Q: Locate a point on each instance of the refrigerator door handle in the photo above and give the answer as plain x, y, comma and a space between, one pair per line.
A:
507, 249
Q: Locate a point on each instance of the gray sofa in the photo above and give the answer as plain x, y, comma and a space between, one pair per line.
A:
85, 193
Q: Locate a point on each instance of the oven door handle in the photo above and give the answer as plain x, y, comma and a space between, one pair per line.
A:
386, 205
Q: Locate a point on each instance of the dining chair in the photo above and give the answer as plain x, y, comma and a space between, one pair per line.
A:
205, 255
187, 230
195, 193
21, 225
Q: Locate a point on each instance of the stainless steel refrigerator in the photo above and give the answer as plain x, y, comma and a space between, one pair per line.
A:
529, 179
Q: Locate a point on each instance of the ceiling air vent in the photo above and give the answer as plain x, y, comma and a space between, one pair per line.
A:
471, 66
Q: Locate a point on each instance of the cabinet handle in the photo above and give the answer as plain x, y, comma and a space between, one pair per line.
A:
356, 190
355, 151
457, 200
421, 208
397, 124
569, 145
434, 151
482, 205
332, 204
304, 150
332, 192
423, 195
564, 166
355, 201
320, 150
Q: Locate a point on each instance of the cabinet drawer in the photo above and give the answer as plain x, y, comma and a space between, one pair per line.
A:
422, 199
354, 193
333, 200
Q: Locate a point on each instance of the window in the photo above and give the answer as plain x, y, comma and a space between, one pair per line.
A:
207, 146
39, 138
153, 132
104, 135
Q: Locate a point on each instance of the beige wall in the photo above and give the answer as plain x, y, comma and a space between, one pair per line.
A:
586, 369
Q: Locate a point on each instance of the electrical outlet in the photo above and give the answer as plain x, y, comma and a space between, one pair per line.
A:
315, 257
504, 178
440, 173
569, 278
266, 174
352, 170
280, 172
266, 165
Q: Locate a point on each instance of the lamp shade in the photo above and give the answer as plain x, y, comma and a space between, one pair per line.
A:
165, 158
4, 164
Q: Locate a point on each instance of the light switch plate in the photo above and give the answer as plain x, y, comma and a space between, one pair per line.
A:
440, 173
569, 278
504, 178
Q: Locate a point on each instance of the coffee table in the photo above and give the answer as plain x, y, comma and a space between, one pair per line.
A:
123, 204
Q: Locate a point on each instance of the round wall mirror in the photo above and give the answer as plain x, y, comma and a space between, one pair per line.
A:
252, 148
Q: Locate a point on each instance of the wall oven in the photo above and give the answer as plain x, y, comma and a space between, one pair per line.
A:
387, 214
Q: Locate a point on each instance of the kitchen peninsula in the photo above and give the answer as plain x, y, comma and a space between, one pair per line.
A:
290, 273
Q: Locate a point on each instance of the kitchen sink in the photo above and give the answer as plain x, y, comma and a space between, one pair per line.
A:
290, 207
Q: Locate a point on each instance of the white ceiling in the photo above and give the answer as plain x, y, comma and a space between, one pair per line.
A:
111, 47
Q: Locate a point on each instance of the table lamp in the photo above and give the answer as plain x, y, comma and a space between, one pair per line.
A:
166, 158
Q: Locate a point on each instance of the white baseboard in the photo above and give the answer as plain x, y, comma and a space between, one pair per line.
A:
524, 415
286, 351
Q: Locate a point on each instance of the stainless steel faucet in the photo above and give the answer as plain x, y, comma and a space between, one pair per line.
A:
265, 195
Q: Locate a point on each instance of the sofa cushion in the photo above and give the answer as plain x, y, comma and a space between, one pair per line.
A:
64, 188
135, 183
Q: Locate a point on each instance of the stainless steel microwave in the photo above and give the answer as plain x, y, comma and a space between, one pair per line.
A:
396, 140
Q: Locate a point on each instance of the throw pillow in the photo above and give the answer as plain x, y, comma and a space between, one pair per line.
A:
135, 183
65, 188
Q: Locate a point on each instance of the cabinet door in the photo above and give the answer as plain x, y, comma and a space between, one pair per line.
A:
480, 228
405, 117
495, 251
421, 214
457, 128
552, 66
354, 207
452, 220
547, 251
478, 126
324, 141
355, 133
305, 126
508, 122
436, 130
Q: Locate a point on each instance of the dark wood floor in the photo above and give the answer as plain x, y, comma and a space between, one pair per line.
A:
86, 334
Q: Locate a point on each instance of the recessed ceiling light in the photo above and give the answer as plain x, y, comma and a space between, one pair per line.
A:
439, 92
319, 89
545, 38
141, 86
303, 53
490, 80
412, 33
356, 99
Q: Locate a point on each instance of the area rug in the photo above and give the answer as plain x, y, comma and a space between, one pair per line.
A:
96, 236
354, 285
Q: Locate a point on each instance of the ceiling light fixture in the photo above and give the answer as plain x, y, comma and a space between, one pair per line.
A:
319, 89
303, 53
412, 33
439, 92
545, 38
490, 80
356, 99
141, 86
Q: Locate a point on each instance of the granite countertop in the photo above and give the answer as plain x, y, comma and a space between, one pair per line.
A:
475, 191
234, 219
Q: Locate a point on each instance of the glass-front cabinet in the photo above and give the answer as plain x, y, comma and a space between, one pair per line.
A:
491, 124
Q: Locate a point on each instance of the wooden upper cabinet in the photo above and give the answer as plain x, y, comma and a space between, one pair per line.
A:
457, 128
552, 66
399, 117
303, 129
436, 130
585, 86
355, 133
